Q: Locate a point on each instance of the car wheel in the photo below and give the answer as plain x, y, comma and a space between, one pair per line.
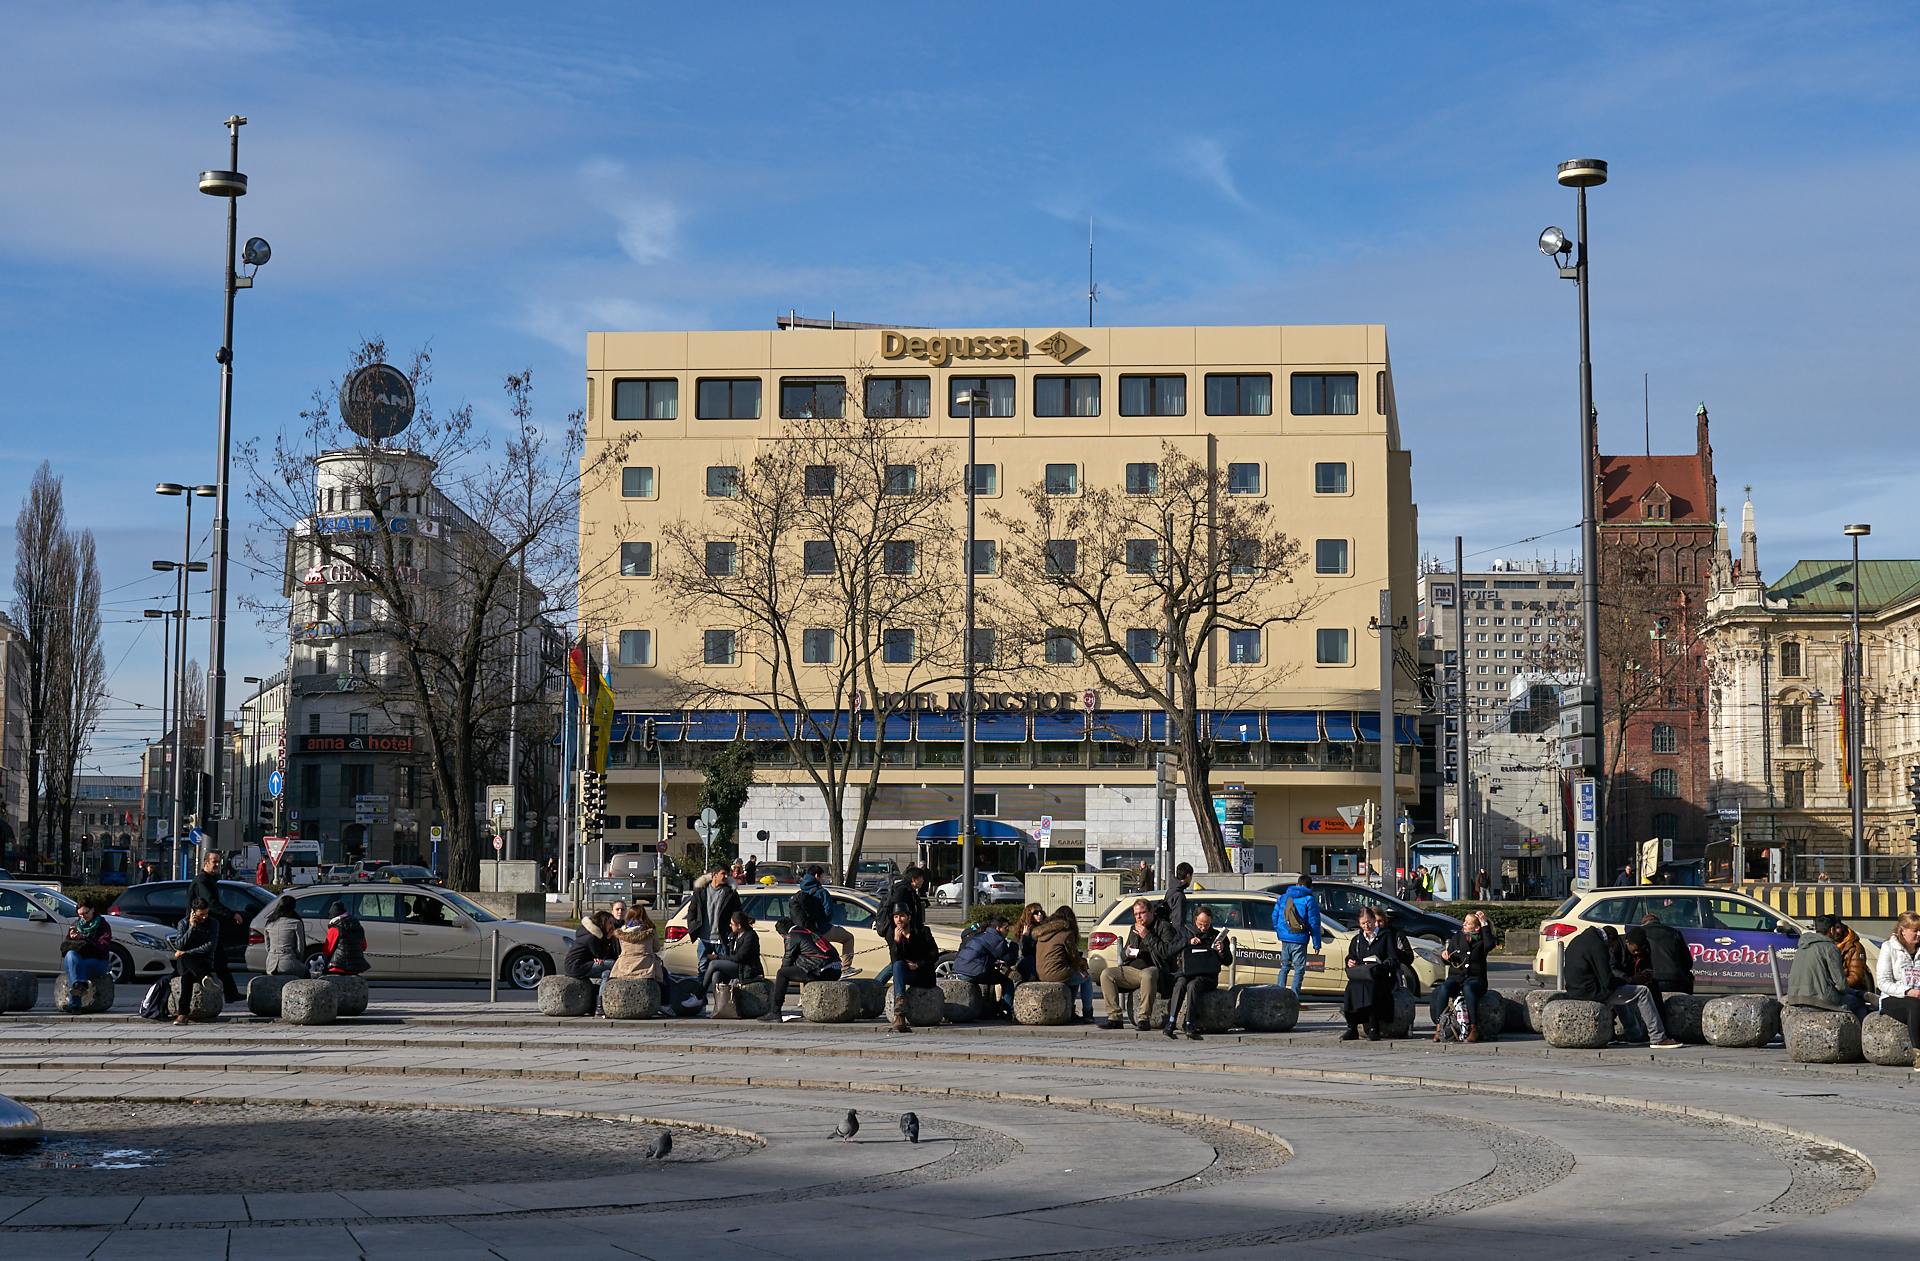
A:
316, 964
526, 968
942, 898
120, 967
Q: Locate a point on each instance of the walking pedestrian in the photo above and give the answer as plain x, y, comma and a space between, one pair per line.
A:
85, 950
286, 935
1296, 921
346, 942
1177, 896
808, 957
263, 874
1205, 951
196, 944
1897, 976
1375, 955
206, 887
1057, 958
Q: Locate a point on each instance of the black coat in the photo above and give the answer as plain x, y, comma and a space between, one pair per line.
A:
918, 954
1207, 958
1672, 960
588, 948
1373, 969
1589, 971
901, 896
744, 949
1467, 955
697, 912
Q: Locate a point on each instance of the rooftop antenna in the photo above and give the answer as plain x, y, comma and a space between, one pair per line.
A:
1093, 290
1646, 413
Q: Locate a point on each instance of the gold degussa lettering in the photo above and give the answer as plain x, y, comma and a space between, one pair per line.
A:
939, 350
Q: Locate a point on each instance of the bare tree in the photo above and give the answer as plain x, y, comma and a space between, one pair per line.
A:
39, 578
835, 561
1155, 580
77, 670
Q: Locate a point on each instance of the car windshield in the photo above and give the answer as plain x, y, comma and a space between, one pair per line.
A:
475, 913
58, 903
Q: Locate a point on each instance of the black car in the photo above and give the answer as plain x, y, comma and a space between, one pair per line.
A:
1343, 900
165, 902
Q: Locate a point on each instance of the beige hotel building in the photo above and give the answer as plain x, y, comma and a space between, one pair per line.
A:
1301, 416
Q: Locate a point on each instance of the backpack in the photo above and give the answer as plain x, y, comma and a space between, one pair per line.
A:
1454, 1021
816, 956
1290, 911
154, 1005
812, 909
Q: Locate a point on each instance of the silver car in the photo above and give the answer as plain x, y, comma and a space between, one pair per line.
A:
33, 926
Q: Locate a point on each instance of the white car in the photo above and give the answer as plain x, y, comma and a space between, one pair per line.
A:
422, 933
988, 886
33, 926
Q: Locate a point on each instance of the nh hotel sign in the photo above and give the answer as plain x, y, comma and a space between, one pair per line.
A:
937, 351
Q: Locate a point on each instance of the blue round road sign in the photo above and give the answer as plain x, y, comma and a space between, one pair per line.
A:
274, 783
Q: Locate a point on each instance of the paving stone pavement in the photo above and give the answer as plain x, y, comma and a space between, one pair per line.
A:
1070, 1143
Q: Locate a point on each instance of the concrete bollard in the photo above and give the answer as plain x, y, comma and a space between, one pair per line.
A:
308, 1002
95, 995
206, 1002
1682, 1014
830, 1002
1265, 1008
1042, 1003
263, 995
629, 998
565, 996
1536, 1002
926, 1005
19, 991
1490, 1017
875, 994
962, 1000
1575, 1024
353, 993
1884, 1040
1740, 1020
1816, 1036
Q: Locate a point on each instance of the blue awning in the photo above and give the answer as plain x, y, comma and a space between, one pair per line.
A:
1071, 725
1339, 726
1235, 728
1293, 726
767, 725
1368, 723
632, 725
1406, 729
939, 728
712, 724
1000, 728
1129, 724
985, 829
899, 727
824, 724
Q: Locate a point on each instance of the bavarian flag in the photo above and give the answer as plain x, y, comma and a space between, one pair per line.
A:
596, 704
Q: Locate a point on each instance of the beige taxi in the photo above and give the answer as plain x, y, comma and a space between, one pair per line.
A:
852, 910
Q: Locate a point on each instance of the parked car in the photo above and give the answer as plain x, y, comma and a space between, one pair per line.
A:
1343, 899
989, 886
852, 910
395, 873
422, 933
33, 925
1078, 869
164, 902
339, 873
873, 875
1247, 915
782, 872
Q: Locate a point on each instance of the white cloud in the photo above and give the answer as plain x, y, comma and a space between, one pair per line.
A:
1207, 158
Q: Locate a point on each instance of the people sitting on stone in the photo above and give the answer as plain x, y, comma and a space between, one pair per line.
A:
1897, 976
1466, 959
593, 951
739, 957
1375, 954
639, 959
914, 957
1819, 976
1636, 961
1589, 976
1057, 958
1853, 954
808, 957
1203, 952
1672, 957
991, 962
1146, 956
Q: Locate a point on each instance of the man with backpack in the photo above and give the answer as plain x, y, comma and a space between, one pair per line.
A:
808, 957
1296, 921
813, 909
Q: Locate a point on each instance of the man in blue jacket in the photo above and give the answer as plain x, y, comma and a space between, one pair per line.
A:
1296, 921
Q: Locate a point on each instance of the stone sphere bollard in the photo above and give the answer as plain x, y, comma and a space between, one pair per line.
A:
1576, 1024
875, 994
1816, 1036
926, 1005
19, 991
353, 993
1266, 1008
95, 995
565, 996
962, 1000
1682, 1014
1490, 1017
308, 1002
1156, 1009
1740, 1020
1884, 1040
1042, 1003
1536, 1002
263, 995
206, 1002
830, 1002
1211, 1012
629, 998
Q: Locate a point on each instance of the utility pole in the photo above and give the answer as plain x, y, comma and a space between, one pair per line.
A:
967, 667
1389, 806
1471, 840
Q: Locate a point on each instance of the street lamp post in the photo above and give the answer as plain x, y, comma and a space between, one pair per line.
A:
253, 769
181, 604
1581, 174
972, 398
1856, 714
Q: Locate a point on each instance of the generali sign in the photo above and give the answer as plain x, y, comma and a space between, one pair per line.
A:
938, 350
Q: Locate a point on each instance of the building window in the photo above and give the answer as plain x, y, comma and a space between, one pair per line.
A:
1063, 479
1666, 781
817, 557
636, 647
722, 559
812, 400
646, 400
896, 645
362, 662
721, 646
1243, 479
986, 557
723, 481
816, 646
729, 400
1243, 647
362, 605
1143, 556
1250, 395
903, 479
1326, 394
1063, 556
310, 785
1066, 396
1329, 479
1143, 646
356, 724
1243, 556
1153, 396
994, 396
899, 396
900, 557
1790, 660
1654, 511
1143, 479
1666, 826
636, 483
636, 560
1061, 650
820, 481
1792, 725
983, 645
1794, 784
1332, 646
1664, 740
985, 479
1330, 556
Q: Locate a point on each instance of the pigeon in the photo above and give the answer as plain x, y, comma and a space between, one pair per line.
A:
662, 1146
910, 1126
849, 1127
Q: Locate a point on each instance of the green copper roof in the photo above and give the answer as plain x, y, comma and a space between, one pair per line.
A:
1811, 584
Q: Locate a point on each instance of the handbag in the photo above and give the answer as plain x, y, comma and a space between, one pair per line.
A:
725, 1005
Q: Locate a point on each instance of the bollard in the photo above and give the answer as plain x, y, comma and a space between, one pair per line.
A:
1773, 961
493, 973
1560, 963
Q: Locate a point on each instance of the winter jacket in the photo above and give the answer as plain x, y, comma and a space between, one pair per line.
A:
743, 948
89, 938
983, 954
812, 954
812, 906
286, 946
1307, 907
1160, 948
1898, 971
901, 896
1672, 959
589, 947
1589, 972
1819, 976
1212, 953
1056, 950
1467, 955
1177, 906
346, 945
1853, 956
196, 944
697, 911
917, 954
639, 953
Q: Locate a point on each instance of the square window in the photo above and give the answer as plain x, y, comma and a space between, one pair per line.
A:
1243, 647
313, 724
986, 557
1061, 650
899, 396
1066, 396
1153, 396
816, 646
811, 400
1243, 479
1329, 479
722, 559
723, 481
1326, 394
983, 645
1143, 646
1330, 556
993, 396
729, 400
1143, 479
356, 724
362, 662
362, 605
820, 481
1143, 556
900, 557
817, 555
636, 647
896, 645
721, 647
1250, 395
1063, 479
1332, 646
636, 483
1063, 556
902, 479
636, 560
985, 479
646, 400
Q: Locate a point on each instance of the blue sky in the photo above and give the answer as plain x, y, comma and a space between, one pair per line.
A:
497, 181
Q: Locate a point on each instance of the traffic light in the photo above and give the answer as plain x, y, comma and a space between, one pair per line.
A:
1372, 825
673, 826
593, 804
266, 810
1913, 788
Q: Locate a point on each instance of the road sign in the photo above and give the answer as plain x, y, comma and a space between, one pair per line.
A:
499, 843
709, 816
276, 846
435, 834
294, 815
275, 782
1353, 814
1046, 829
